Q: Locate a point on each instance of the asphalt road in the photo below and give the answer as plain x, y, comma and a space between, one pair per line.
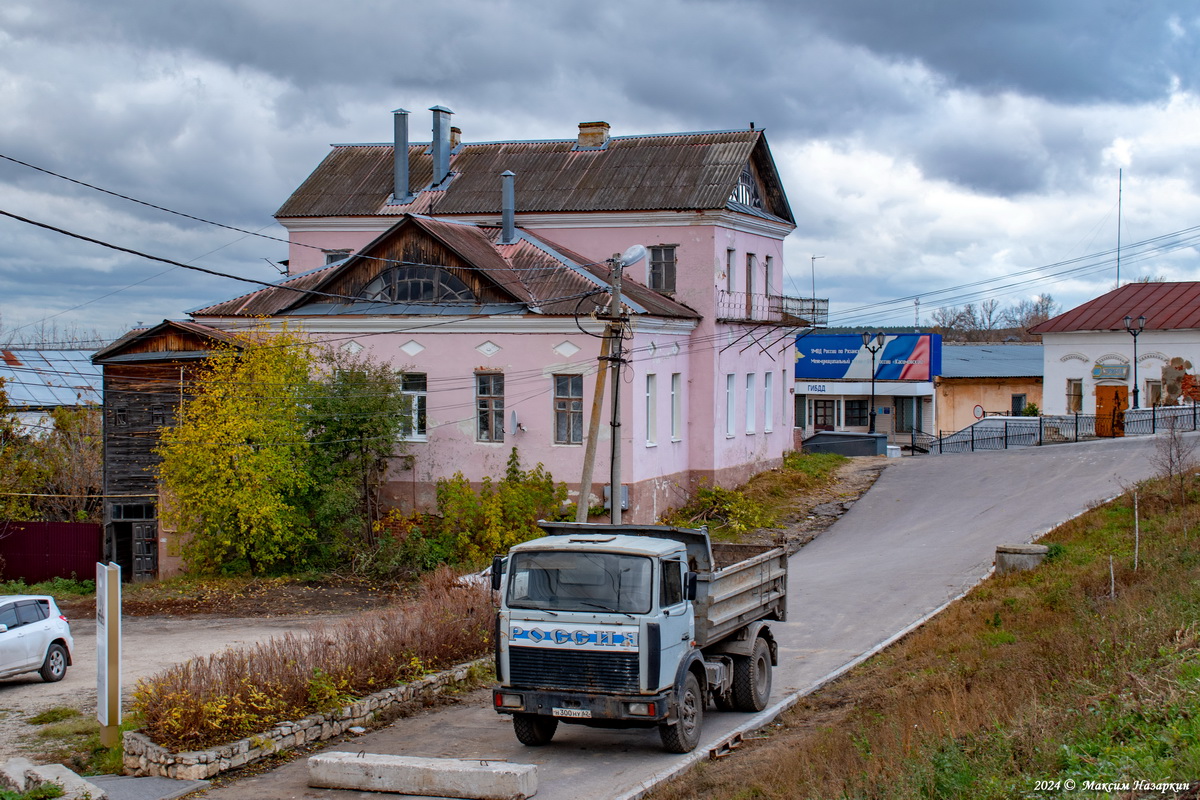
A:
921, 537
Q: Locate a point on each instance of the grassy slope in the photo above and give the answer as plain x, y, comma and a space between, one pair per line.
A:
1040, 675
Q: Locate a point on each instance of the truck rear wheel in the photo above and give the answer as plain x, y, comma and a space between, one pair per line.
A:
684, 734
752, 678
534, 731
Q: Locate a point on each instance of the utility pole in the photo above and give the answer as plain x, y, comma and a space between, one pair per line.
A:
616, 331
589, 451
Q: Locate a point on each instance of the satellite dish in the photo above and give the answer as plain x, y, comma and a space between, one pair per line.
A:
513, 427
633, 255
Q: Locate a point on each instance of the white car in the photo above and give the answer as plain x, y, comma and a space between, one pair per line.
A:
34, 637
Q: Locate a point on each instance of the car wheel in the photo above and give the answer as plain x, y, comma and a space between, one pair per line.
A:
684, 734
534, 731
752, 678
54, 668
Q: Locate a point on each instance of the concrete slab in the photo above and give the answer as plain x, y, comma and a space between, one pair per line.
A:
437, 777
73, 786
122, 787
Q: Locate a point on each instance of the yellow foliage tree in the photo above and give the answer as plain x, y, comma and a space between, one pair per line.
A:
233, 468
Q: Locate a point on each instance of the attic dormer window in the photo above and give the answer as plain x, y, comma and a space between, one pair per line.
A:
417, 285
746, 192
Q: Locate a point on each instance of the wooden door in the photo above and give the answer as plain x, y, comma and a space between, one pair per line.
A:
1111, 402
145, 550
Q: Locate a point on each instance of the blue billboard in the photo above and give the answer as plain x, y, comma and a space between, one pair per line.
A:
843, 356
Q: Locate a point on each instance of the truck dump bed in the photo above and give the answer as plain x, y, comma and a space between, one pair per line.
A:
736, 583
749, 583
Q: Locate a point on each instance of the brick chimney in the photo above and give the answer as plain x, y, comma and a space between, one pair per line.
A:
455, 137
592, 134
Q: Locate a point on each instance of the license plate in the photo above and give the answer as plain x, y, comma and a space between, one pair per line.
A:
578, 713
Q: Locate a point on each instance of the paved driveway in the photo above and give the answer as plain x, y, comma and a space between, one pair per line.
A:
923, 535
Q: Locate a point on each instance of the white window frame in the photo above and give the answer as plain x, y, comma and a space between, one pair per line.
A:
730, 403
768, 402
568, 406
751, 410
676, 406
768, 268
662, 268
418, 409
651, 410
731, 270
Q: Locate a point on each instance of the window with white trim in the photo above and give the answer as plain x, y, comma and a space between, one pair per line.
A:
568, 409
750, 406
662, 268
414, 387
768, 402
651, 409
676, 406
489, 406
730, 270
730, 401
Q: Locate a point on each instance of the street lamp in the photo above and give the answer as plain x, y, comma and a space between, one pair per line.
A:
873, 343
1132, 331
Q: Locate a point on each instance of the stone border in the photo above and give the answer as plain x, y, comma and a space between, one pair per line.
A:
143, 757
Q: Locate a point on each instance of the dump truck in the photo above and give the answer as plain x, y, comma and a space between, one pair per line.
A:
634, 626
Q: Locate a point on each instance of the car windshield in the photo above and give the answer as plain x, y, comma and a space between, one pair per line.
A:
577, 581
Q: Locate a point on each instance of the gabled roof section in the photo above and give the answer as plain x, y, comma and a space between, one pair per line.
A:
1166, 306
531, 275
665, 172
169, 340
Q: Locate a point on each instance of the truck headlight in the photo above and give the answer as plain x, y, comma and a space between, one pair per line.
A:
641, 709
506, 700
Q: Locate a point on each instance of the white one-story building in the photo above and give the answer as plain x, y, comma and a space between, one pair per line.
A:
1129, 348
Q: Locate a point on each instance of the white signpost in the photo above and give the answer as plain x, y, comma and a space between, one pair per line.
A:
108, 652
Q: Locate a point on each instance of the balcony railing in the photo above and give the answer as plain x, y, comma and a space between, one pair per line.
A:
772, 309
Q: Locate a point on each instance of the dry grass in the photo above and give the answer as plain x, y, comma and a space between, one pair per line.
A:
236, 693
989, 691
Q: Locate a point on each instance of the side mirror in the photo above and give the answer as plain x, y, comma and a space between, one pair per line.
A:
497, 572
689, 589
3, 628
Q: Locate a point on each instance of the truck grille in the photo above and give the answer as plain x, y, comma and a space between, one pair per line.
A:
584, 670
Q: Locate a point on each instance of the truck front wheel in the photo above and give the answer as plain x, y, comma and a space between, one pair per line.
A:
533, 730
752, 678
684, 735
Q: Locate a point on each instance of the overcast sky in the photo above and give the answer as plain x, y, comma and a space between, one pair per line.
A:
924, 144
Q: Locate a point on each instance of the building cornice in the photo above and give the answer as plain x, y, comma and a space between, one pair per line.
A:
499, 324
548, 221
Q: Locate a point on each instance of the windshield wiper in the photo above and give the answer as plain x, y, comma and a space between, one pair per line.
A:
606, 608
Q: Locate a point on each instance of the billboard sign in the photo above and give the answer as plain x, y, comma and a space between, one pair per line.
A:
836, 356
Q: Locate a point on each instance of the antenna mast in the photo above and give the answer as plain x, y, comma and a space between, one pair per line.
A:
1120, 176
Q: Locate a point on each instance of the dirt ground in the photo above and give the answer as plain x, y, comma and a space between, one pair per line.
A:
815, 511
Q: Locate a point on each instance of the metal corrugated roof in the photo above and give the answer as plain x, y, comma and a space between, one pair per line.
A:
992, 360
1166, 306
48, 378
678, 172
533, 271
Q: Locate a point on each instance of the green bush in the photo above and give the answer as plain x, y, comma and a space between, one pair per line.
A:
475, 525
728, 510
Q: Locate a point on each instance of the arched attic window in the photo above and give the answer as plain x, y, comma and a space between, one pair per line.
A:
746, 192
409, 284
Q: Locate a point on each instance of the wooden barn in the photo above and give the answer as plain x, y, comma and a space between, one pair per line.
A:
146, 374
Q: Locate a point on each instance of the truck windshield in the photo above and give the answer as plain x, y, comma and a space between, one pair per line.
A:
575, 581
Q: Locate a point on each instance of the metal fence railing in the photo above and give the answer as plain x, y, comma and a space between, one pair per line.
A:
1002, 433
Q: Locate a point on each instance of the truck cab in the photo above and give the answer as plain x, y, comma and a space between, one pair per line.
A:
598, 626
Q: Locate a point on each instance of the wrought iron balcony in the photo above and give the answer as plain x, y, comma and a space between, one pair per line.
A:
772, 309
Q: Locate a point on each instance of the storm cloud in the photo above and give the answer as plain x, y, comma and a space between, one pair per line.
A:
919, 142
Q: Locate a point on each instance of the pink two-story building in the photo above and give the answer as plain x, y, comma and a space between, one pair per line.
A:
480, 271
